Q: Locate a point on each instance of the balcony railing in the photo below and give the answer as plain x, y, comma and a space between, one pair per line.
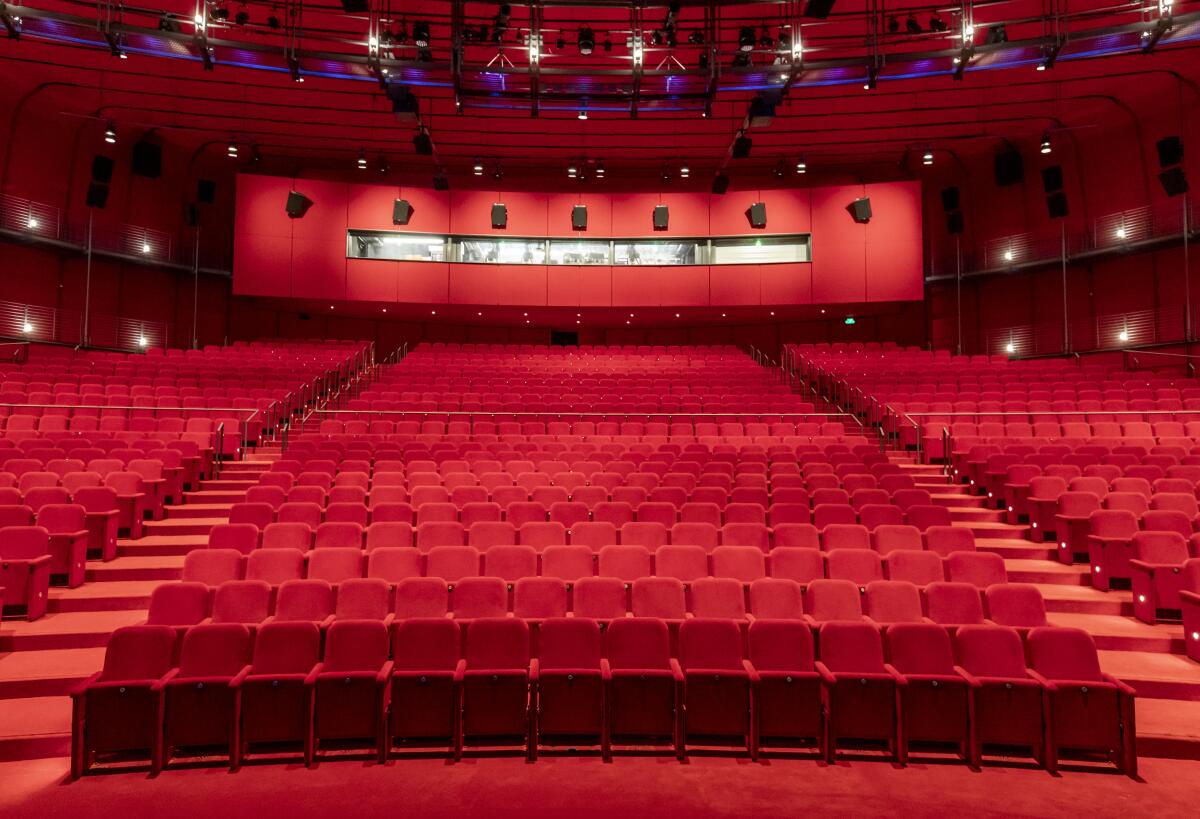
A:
31, 322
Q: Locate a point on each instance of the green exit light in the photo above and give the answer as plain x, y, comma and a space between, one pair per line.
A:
850, 320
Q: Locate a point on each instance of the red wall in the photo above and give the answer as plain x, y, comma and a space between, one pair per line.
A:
275, 255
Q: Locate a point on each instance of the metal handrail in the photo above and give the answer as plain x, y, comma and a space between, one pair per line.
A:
586, 413
217, 454
116, 407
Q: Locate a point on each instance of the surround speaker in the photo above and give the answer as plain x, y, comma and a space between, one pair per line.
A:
1170, 151
1174, 181
579, 217
297, 205
762, 113
1056, 205
206, 191
423, 143
757, 215
661, 217
402, 211
950, 198
499, 215
355, 6
954, 222
147, 159
1052, 179
819, 9
1009, 168
441, 182
741, 147
97, 195
720, 184
951, 204
860, 209
191, 214
102, 169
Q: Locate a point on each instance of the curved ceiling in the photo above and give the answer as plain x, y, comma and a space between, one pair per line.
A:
477, 95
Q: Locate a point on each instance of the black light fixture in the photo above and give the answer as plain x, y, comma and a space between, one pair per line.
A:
242, 17
696, 37
746, 39
477, 168
423, 143
911, 25
110, 133
783, 41
421, 34
381, 165
362, 159
272, 22
168, 24
936, 23
893, 25
780, 169
996, 34
764, 38
740, 60
586, 41
1046, 147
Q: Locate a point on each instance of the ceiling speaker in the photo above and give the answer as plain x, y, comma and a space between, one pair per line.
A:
661, 217
499, 216
297, 205
1010, 168
441, 182
1170, 151
579, 217
102, 169
741, 147
401, 212
147, 159
1174, 181
720, 184
860, 209
757, 215
97, 195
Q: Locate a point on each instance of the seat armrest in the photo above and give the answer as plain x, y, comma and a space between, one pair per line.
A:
533, 670
460, 671
605, 670
826, 675
240, 677
900, 678
385, 672
676, 671
968, 676
1124, 687
317, 670
1190, 596
750, 671
166, 679
82, 687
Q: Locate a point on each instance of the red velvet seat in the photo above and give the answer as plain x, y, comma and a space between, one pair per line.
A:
1008, 700
1156, 573
276, 704
179, 605
646, 688
66, 524
242, 601
425, 683
350, 688
788, 706
25, 569
495, 683
212, 567
860, 689
935, 699
568, 678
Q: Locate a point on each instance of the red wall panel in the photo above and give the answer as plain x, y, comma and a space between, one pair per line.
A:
558, 214
838, 255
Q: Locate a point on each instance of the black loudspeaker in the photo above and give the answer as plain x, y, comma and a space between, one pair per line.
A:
950, 199
819, 9
1056, 205
1010, 168
97, 195
441, 182
147, 160
402, 211
951, 204
1052, 179
102, 169
579, 217
355, 6
661, 217
191, 214
757, 214
206, 191
742, 146
954, 222
860, 209
1170, 151
297, 205
720, 184
499, 215
1174, 181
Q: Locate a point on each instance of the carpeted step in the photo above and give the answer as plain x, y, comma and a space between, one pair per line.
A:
139, 567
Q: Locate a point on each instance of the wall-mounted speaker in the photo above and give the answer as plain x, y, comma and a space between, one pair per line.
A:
206, 191
661, 217
1174, 181
579, 217
441, 182
102, 169
954, 222
191, 214
741, 147
1052, 179
720, 184
1056, 205
1009, 168
147, 159
818, 9
297, 205
860, 209
499, 215
1170, 151
757, 215
402, 211
950, 198
97, 195
951, 204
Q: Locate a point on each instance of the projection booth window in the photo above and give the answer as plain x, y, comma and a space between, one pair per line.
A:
502, 251
573, 251
760, 250
668, 252
402, 247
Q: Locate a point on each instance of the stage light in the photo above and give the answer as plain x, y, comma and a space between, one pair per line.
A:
27, 328
780, 170
801, 165
272, 22
1121, 233
166, 23
232, 149
423, 143
893, 25
421, 34
599, 170
746, 39
242, 18
145, 247
586, 41
1008, 255
1123, 335
382, 165
141, 341
911, 25
1046, 143
110, 133
478, 167
362, 160
968, 32
33, 223
572, 171
582, 113
927, 159
684, 171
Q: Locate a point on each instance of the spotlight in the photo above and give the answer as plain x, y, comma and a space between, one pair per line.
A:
684, 171
927, 159
110, 133
572, 171
1123, 335
583, 113
599, 170
141, 341
27, 327
746, 39
1010, 347
272, 22
911, 25
996, 34
362, 160
168, 24
801, 165
421, 34
1008, 255
1046, 143
780, 170
765, 39
33, 223
242, 17
145, 247
1120, 231
478, 167
586, 41
232, 150
849, 320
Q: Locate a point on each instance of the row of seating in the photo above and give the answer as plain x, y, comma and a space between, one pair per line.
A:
231, 692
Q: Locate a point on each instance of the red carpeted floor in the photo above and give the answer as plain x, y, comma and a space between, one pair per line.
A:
628, 788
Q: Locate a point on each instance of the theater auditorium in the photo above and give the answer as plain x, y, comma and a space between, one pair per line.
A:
599, 407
